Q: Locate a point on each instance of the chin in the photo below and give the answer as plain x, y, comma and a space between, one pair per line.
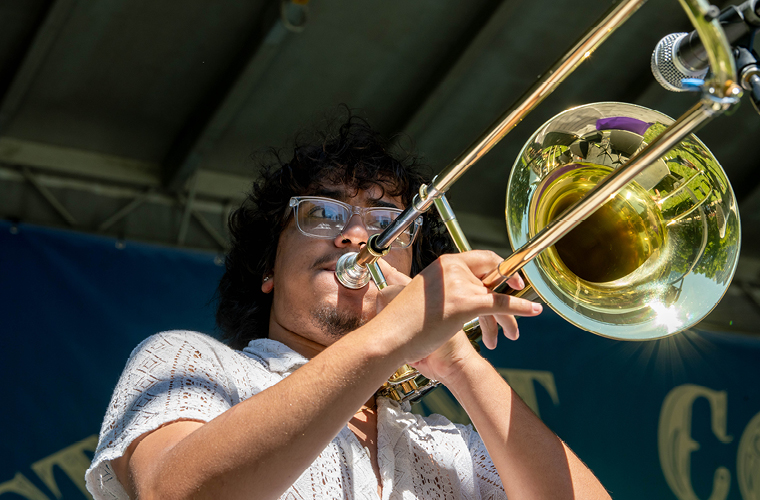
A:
361, 301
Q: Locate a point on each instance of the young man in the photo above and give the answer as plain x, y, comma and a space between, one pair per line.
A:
290, 412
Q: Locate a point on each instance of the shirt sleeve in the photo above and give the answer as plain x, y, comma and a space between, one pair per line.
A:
170, 376
487, 478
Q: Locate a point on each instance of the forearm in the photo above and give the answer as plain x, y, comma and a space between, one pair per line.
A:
531, 460
264, 443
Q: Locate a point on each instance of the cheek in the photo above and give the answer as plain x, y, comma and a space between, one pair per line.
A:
289, 253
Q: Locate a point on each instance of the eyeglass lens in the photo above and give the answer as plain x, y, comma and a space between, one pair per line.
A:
327, 219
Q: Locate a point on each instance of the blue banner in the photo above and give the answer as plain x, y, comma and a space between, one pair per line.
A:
675, 418
73, 306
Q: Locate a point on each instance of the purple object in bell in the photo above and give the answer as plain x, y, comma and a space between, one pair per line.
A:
622, 123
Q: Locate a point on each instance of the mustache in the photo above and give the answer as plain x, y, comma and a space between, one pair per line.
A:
329, 258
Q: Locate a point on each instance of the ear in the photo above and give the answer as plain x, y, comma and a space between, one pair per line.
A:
267, 284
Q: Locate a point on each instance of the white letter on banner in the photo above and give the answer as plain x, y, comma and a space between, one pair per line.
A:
748, 460
522, 382
675, 443
21, 486
72, 460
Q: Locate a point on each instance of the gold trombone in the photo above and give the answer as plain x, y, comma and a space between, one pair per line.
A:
623, 170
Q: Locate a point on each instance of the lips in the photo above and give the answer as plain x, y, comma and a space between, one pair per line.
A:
328, 266
327, 262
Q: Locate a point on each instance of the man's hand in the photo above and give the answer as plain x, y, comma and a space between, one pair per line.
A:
449, 280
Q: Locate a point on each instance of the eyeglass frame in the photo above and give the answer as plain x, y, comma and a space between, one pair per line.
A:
360, 211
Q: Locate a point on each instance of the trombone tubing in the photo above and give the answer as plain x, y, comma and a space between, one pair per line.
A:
722, 64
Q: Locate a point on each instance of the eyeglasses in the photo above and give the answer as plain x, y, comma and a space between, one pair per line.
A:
327, 218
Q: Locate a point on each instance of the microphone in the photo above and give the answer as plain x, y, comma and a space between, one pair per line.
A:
668, 67
680, 56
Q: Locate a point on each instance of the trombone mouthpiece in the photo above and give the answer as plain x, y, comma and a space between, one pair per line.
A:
349, 273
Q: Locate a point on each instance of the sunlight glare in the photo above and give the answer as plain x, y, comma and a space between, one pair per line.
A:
666, 316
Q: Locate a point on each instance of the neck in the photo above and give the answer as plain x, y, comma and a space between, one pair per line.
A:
303, 346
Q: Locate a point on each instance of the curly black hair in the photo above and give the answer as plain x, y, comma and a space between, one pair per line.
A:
355, 156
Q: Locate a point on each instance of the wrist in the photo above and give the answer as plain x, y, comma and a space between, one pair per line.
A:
380, 347
465, 371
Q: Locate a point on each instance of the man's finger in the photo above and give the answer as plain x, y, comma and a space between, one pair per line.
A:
489, 331
392, 275
516, 282
496, 303
509, 325
480, 262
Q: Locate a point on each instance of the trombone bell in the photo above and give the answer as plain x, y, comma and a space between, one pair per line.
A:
657, 257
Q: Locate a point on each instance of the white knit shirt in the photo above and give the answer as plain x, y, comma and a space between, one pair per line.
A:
187, 375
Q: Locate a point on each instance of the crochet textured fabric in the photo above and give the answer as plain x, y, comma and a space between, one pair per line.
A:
187, 375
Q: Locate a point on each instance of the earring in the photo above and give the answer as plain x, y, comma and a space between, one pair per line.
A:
266, 278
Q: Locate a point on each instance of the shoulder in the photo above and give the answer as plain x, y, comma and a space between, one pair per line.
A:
191, 358
178, 340
171, 363
183, 348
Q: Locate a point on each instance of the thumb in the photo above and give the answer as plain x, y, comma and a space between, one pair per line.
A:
386, 295
392, 275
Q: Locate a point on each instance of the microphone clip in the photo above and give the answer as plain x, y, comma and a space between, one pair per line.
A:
749, 74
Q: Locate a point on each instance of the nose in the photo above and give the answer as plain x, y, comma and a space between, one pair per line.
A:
354, 234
